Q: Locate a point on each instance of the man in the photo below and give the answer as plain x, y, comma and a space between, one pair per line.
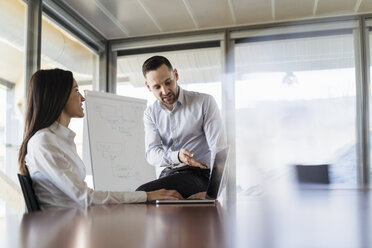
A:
183, 131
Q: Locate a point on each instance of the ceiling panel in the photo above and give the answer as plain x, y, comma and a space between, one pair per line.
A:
289, 9
329, 7
171, 15
90, 12
131, 16
252, 11
211, 13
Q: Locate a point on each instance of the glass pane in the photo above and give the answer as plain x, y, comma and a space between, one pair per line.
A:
62, 50
12, 17
295, 105
198, 69
370, 103
2, 127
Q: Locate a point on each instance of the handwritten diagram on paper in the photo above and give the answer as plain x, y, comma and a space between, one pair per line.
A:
117, 117
116, 140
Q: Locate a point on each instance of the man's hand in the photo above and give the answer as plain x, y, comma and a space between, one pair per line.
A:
186, 156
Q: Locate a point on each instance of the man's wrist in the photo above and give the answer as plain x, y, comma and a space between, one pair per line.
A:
174, 156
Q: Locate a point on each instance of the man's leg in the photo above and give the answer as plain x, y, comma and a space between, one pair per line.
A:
186, 182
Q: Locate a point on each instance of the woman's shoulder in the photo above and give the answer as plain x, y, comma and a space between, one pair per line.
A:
44, 137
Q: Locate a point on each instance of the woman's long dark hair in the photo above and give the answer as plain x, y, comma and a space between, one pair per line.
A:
47, 95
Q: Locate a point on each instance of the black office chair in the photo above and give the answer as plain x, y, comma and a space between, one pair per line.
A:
317, 174
28, 193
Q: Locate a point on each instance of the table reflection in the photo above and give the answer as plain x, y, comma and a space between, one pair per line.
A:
185, 226
126, 225
63, 228
282, 217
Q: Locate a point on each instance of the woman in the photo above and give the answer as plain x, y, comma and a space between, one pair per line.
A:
48, 152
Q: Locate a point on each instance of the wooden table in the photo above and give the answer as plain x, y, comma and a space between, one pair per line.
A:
278, 218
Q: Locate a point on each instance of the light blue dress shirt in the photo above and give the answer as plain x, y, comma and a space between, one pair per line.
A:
194, 123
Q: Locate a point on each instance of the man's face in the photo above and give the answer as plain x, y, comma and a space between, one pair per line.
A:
163, 84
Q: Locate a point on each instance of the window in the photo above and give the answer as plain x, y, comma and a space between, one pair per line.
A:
12, 13
2, 127
198, 69
59, 49
295, 104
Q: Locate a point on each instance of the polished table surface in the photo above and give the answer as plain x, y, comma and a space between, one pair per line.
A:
279, 217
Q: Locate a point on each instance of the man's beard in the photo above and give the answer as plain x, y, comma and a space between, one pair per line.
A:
169, 99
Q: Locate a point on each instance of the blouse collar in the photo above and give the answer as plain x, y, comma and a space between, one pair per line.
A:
62, 131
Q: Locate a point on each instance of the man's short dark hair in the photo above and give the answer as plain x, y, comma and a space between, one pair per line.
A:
153, 63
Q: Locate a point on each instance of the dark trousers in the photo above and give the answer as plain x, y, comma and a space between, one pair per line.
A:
187, 180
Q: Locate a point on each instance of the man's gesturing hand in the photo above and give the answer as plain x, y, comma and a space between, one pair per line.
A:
186, 156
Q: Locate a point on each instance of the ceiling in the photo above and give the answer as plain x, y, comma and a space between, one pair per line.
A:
131, 18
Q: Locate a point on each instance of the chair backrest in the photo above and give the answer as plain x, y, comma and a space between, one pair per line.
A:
312, 173
28, 193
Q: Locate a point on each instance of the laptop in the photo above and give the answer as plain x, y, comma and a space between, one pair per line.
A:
217, 181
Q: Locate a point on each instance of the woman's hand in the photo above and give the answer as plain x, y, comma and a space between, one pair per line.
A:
163, 194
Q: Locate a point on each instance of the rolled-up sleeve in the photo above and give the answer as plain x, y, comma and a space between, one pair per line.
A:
156, 155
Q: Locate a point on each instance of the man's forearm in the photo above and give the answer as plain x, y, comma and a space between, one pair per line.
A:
159, 157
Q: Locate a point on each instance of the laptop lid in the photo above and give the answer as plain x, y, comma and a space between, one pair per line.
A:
217, 181
215, 185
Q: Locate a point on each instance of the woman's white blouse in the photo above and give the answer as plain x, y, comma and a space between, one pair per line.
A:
58, 173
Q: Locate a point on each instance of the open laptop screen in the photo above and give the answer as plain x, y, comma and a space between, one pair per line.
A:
217, 173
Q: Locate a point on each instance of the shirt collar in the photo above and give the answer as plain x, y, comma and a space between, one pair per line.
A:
181, 96
62, 131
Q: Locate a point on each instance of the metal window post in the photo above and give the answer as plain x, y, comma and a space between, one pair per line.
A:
228, 106
362, 96
107, 69
33, 40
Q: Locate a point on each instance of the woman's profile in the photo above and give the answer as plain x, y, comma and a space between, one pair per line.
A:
48, 152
